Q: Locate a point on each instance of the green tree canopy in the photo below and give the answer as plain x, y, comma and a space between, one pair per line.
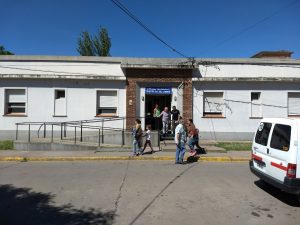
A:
4, 52
99, 45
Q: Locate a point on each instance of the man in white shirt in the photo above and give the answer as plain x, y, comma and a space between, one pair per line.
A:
180, 140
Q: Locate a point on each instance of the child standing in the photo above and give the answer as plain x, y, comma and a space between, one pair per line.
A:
148, 138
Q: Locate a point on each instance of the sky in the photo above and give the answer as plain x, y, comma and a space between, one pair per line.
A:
195, 28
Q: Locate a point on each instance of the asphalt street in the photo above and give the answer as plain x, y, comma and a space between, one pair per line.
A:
139, 192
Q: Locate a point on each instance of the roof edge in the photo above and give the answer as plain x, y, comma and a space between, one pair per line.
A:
130, 61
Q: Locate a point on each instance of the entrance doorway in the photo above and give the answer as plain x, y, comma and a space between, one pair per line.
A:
150, 102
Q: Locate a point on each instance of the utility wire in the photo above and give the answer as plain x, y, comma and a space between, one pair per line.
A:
138, 21
253, 25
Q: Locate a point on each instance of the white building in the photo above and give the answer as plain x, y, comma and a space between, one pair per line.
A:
225, 97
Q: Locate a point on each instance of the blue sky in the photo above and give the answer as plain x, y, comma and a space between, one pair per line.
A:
193, 27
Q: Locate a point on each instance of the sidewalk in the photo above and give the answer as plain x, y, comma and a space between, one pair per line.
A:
16, 155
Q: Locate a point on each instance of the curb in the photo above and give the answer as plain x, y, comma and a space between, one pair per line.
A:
107, 158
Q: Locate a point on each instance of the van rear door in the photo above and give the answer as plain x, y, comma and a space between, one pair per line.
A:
260, 147
283, 148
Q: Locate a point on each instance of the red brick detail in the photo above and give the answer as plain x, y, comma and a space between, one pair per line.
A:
139, 76
130, 103
187, 99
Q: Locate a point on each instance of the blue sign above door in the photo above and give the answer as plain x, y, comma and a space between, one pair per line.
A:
158, 91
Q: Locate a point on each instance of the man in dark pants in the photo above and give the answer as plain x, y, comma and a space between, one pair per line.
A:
175, 116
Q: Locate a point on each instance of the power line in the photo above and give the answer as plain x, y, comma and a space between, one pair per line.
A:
253, 25
138, 21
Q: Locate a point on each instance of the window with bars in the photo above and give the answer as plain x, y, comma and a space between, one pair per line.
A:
107, 103
15, 101
213, 104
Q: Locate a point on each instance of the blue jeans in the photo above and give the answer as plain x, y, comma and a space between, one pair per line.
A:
165, 127
136, 147
192, 142
180, 150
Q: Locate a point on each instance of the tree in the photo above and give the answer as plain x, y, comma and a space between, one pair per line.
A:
85, 44
99, 45
4, 52
102, 43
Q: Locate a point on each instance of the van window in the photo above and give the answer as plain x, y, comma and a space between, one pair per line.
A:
281, 137
262, 133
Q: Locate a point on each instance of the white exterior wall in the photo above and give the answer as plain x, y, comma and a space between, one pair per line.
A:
80, 93
62, 68
81, 99
237, 123
248, 71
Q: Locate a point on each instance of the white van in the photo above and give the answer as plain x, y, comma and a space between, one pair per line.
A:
276, 153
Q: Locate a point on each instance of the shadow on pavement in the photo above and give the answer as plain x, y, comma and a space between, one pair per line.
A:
284, 197
192, 159
24, 206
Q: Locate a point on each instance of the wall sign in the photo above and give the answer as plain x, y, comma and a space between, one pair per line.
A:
158, 90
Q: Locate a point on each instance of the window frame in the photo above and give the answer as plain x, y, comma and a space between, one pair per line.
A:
116, 114
260, 116
220, 114
54, 98
6, 102
288, 113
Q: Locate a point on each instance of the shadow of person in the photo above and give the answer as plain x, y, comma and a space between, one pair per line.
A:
192, 159
22, 206
284, 197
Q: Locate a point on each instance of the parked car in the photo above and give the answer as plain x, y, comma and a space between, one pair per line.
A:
276, 153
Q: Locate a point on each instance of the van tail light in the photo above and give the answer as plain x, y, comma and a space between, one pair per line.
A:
291, 170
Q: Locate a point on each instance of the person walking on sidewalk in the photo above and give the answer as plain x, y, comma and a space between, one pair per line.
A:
180, 140
193, 137
137, 133
148, 138
166, 116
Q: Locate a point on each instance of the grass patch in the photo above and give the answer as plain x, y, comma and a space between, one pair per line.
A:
235, 146
6, 145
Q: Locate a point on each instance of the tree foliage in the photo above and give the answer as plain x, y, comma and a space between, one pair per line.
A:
4, 52
99, 45
85, 44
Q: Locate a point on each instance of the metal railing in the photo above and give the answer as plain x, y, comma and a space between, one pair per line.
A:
99, 125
